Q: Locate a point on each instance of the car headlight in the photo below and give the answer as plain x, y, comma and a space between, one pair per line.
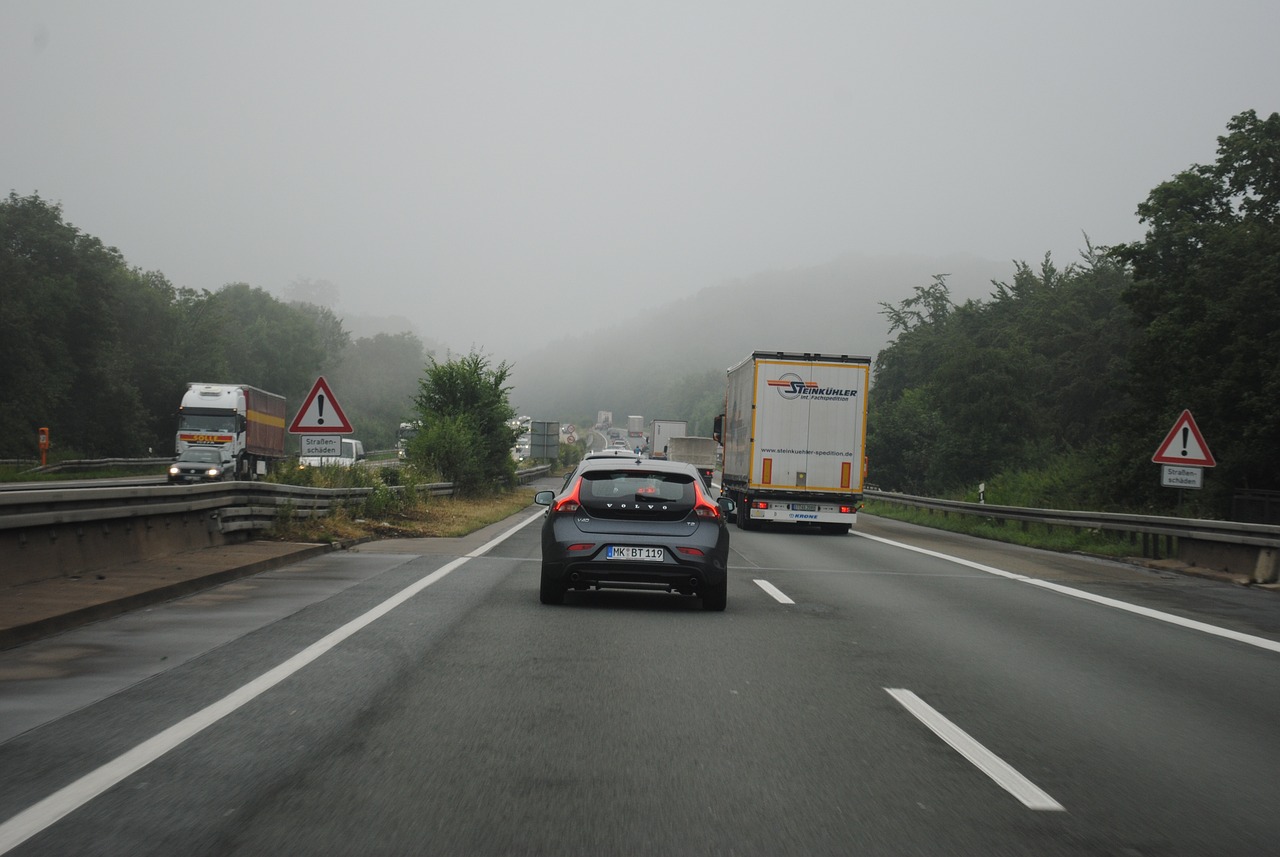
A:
213, 471
173, 471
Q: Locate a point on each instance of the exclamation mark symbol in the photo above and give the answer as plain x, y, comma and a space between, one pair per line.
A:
1186, 432
320, 421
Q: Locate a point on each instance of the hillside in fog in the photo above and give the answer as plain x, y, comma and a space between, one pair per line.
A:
636, 351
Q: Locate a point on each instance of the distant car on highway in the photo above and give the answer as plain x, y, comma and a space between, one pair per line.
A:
199, 464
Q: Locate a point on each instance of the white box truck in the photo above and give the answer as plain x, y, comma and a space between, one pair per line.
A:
701, 452
660, 434
794, 432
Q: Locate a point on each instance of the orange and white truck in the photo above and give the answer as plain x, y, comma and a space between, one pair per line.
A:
794, 431
245, 424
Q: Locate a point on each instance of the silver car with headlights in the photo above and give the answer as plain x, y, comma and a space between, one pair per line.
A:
199, 464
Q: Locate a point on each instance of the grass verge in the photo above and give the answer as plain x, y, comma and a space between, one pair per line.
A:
431, 517
1062, 539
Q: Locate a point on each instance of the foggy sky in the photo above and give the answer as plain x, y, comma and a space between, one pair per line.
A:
500, 173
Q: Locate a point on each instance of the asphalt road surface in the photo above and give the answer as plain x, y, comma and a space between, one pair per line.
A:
864, 694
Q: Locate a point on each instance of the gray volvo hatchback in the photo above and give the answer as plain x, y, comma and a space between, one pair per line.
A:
635, 523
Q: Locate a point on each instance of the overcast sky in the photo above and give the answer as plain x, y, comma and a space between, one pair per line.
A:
496, 171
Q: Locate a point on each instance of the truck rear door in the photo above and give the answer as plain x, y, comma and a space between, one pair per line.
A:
810, 425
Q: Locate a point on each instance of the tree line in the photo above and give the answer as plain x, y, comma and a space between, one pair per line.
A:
1066, 380
1054, 391
101, 352
1057, 389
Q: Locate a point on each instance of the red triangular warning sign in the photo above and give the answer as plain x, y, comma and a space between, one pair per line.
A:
320, 413
1185, 445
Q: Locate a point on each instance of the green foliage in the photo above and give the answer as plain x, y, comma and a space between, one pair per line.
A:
101, 353
1056, 390
326, 476
929, 307
1063, 539
381, 501
71, 326
448, 444
1206, 305
967, 392
270, 344
902, 435
571, 453
1065, 480
463, 406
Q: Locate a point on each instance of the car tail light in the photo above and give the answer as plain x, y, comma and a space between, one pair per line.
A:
848, 510
581, 546
690, 551
569, 502
760, 504
703, 507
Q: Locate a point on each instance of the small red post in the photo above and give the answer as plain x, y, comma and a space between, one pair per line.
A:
44, 445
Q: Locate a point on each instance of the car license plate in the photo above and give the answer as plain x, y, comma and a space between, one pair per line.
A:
804, 507
635, 553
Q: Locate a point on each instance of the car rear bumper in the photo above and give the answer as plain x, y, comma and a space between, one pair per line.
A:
686, 574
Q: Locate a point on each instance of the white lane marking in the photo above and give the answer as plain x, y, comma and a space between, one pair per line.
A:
66, 800
774, 591
1170, 618
989, 763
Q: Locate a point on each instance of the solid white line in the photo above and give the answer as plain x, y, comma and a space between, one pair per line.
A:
1192, 624
36, 818
989, 763
774, 591
497, 540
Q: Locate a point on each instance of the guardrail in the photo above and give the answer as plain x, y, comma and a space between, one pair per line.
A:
50, 506
101, 464
51, 532
1244, 548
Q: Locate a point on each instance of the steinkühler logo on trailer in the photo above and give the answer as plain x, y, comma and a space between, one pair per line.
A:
791, 386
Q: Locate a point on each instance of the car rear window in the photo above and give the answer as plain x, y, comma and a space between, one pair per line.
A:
617, 491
